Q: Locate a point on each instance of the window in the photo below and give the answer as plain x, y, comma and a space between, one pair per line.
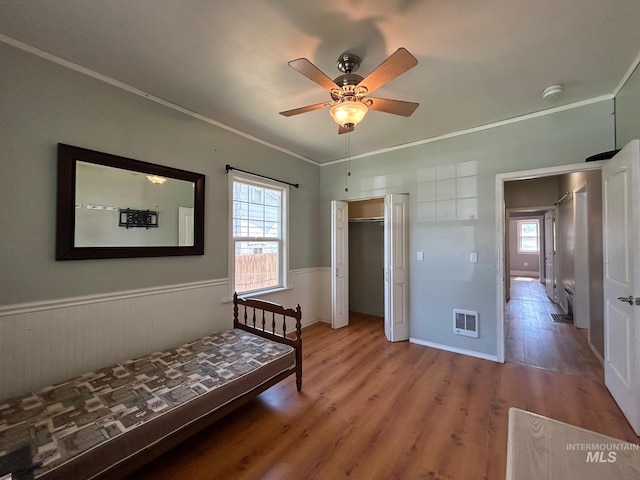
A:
528, 236
258, 253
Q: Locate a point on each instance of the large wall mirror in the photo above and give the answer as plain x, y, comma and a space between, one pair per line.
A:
116, 207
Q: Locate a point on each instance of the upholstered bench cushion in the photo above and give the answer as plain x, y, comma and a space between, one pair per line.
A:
81, 427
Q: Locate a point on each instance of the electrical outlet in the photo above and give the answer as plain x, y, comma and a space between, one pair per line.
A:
473, 257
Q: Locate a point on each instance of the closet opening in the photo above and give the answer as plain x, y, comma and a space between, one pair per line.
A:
366, 257
360, 219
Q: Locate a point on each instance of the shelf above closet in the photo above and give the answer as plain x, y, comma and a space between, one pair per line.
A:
371, 210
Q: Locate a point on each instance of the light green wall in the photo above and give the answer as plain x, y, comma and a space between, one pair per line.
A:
451, 184
628, 111
41, 104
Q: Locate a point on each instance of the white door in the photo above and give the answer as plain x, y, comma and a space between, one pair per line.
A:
339, 264
185, 226
396, 261
549, 255
621, 210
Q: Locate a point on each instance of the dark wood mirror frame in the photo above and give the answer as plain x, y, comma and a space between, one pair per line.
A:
65, 242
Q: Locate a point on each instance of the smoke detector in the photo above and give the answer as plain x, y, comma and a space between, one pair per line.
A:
552, 92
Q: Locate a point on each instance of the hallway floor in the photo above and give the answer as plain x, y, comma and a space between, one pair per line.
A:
534, 340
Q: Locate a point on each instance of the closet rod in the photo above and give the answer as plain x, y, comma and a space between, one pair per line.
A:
229, 167
562, 198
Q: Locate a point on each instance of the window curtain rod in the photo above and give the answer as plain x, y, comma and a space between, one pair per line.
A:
229, 167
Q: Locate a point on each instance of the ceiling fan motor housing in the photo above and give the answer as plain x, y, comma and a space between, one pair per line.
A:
346, 86
348, 63
348, 79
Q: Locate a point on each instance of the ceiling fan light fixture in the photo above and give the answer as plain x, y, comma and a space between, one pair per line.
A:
348, 113
156, 180
349, 92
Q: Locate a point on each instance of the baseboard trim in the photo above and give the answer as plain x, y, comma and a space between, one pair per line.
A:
305, 324
524, 273
301, 271
448, 348
595, 352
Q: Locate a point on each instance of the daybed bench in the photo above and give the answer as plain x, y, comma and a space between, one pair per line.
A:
108, 423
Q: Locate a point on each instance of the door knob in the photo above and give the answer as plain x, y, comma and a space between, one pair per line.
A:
628, 299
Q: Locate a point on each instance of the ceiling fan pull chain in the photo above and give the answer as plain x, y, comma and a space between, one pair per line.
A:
346, 180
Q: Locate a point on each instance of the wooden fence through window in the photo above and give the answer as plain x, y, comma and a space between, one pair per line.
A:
256, 271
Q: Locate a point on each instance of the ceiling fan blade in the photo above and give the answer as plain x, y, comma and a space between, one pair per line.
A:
308, 108
396, 64
313, 73
397, 107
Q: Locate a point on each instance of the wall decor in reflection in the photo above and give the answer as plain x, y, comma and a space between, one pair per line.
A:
138, 218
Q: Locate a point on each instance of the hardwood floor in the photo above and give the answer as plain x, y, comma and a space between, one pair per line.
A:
534, 340
370, 409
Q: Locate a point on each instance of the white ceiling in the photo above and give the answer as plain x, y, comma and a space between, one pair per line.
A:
480, 62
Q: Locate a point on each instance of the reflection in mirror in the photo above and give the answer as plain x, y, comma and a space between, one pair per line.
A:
115, 207
106, 197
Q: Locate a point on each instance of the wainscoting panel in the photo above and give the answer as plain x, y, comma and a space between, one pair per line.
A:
307, 289
39, 346
46, 342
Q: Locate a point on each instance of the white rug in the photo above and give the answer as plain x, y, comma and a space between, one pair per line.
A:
540, 448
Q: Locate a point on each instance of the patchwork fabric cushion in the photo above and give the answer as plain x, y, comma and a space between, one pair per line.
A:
64, 421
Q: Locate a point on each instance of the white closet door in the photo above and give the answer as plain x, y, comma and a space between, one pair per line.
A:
339, 264
396, 261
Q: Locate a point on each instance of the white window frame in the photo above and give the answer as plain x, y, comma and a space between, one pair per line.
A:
519, 236
283, 266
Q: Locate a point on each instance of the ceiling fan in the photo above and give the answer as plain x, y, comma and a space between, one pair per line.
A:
350, 92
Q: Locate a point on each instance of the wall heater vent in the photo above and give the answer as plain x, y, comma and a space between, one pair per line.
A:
465, 322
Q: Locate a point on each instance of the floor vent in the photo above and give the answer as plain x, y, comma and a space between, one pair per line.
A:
465, 322
559, 318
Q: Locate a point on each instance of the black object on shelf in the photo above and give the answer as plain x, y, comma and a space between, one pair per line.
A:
602, 156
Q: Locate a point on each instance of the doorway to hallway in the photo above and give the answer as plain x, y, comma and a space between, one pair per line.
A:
533, 339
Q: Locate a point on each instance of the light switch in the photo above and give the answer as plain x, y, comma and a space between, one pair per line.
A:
473, 257
420, 256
